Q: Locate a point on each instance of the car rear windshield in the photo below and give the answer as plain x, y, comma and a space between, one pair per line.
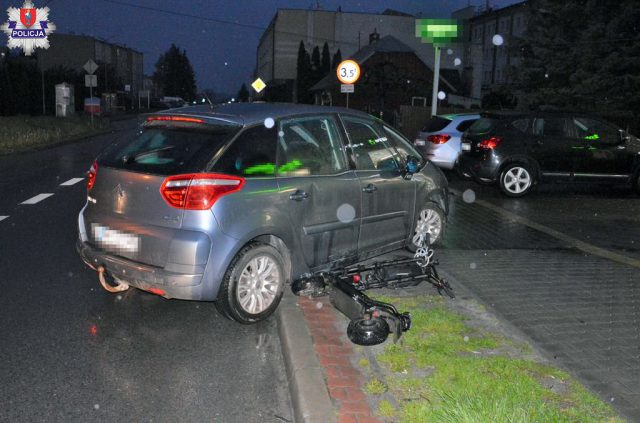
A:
435, 124
483, 125
167, 150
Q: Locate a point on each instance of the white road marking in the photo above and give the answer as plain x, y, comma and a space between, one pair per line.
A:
37, 198
71, 181
3, 218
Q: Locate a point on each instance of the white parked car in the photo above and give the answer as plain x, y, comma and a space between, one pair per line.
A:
439, 140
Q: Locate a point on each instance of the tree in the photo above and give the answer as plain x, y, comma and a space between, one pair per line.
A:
304, 76
581, 55
174, 74
243, 94
325, 62
337, 58
316, 65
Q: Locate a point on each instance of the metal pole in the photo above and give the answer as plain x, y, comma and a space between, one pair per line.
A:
44, 111
436, 79
91, 95
347, 100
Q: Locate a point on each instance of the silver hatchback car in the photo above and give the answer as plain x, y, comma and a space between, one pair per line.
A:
439, 141
229, 204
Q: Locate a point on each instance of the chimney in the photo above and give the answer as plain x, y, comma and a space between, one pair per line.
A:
374, 36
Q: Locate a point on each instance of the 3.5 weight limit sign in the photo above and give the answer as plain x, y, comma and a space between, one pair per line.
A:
348, 72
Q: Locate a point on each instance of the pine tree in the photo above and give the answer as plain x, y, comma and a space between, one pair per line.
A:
337, 58
581, 55
316, 65
325, 63
243, 94
304, 75
174, 74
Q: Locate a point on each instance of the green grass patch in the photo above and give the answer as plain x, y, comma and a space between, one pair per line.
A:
386, 409
375, 387
22, 133
364, 363
443, 370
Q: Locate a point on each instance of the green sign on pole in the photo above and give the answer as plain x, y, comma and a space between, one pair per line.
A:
437, 31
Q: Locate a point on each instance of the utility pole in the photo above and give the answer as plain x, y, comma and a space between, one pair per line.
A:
436, 79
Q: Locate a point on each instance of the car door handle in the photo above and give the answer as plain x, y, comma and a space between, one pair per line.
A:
370, 188
299, 195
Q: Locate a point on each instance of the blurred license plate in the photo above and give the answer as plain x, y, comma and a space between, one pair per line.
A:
466, 146
418, 142
114, 239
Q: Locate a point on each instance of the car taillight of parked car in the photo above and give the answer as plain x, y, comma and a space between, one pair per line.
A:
91, 175
438, 139
490, 143
198, 191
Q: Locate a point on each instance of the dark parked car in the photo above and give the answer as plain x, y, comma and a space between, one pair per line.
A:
519, 150
229, 204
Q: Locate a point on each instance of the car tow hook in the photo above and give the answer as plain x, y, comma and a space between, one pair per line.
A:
121, 286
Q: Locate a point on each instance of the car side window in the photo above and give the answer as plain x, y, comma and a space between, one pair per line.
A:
521, 124
368, 147
553, 127
402, 146
252, 154
464, 125
595, 131
310, 146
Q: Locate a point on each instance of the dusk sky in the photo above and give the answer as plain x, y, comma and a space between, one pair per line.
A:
222, 54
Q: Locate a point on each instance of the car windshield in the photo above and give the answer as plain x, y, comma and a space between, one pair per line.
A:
436, 123
168, 150
482, 126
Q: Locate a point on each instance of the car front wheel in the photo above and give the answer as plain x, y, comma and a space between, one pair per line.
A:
516, 180
253, 285
429, 221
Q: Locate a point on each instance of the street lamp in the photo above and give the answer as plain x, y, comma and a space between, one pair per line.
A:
437, 32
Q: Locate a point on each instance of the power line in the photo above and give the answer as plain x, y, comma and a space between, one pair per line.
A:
223, 21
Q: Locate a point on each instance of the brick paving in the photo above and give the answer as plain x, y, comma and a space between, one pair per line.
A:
344, 380
581, 309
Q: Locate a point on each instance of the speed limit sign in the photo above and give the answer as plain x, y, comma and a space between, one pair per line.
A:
348, 72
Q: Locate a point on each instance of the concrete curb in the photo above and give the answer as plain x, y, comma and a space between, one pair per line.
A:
309, 395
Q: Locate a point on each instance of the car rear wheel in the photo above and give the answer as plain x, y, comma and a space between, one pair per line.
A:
516, 180
253, 285
430, 221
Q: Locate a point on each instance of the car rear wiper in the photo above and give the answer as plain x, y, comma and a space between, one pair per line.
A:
129, 159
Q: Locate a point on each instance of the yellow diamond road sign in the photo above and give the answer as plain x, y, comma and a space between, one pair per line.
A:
258, 85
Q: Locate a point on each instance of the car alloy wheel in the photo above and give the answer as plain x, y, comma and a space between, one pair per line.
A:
253, 284
516, 180
430, 222
258, 284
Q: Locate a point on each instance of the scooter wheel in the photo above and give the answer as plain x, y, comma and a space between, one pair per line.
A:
368, 332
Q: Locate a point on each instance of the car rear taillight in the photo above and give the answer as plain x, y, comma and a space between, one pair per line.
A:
490, 143
198, 191
91, 175
438, 139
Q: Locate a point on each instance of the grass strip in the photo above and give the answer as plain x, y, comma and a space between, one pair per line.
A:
23, 133
444, 370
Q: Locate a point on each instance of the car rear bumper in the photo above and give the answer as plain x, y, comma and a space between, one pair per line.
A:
478, 167
173, 284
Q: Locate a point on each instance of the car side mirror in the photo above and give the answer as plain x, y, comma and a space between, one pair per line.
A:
412, 166
624, 136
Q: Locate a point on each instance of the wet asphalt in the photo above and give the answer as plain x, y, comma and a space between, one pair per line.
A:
71, 352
